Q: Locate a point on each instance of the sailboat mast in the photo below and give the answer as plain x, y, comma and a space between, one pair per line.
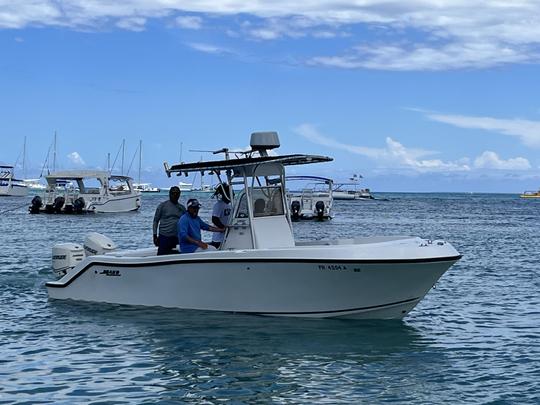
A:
54, 153
123, 150
109, 162
24, 159
140, 159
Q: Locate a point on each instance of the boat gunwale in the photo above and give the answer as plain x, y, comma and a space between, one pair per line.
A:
204, 260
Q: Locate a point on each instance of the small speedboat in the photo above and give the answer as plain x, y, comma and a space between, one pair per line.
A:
351, 191
530, 194
87, 191
145, 188
260, 268
313, 201
10, 186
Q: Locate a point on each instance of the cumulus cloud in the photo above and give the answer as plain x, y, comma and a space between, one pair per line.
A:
528, 132
490, 160
189, 22
411, 35
76, 159
394, 154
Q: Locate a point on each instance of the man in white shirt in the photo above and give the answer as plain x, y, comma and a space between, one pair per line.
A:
221, 213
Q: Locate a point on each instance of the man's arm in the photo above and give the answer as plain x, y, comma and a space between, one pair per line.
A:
157, 217
217, 222
207, 227
199, 243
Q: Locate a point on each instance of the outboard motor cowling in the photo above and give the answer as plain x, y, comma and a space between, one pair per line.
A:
295, 210
58, 204
65, 256
78, 205
37, 203
319, 209
98, 244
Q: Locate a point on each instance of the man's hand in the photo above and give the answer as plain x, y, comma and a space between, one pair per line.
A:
203, 245
156, 240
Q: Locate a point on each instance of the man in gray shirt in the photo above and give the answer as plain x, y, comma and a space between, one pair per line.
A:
166, 219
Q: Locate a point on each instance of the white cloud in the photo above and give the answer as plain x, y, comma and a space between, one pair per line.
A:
490, 160
394, 154
528, 132
76, 159
132, 23
424, 57
208, 48
189, 22
411, 35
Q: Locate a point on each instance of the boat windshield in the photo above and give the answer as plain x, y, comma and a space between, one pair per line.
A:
267, 201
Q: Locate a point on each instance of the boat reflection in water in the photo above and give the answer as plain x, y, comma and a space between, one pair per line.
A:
260, 268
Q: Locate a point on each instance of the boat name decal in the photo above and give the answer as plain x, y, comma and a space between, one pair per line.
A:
111, 273
333, 267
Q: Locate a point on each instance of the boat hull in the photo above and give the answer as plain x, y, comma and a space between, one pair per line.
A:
13, 191
287, 286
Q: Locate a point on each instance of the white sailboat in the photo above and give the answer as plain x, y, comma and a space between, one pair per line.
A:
143, 187
260, 268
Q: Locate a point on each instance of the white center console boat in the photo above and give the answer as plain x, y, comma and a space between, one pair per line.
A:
260, 269
313, 201
82, 191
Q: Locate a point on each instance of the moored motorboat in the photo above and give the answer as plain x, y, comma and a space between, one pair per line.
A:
313, 201
145, 188
87, 191
9, 185
260, 268
530, 194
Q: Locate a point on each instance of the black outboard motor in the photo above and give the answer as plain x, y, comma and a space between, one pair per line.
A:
319, 208
78, 205
295, 210
58, 204
37, 203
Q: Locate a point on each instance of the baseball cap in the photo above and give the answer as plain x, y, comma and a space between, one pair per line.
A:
193, 202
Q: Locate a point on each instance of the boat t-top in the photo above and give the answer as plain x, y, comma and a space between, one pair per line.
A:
313, 200
10, 186
84, 191
260, 268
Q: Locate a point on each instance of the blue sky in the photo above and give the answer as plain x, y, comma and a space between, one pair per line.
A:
423, 96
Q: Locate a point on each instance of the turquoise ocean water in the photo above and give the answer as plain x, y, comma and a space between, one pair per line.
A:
475, 338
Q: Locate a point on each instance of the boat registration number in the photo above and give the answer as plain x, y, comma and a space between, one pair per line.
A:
337, 267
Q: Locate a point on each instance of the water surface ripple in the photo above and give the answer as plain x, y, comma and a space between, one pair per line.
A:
474, 339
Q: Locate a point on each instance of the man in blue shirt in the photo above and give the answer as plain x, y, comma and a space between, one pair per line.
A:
189, 229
